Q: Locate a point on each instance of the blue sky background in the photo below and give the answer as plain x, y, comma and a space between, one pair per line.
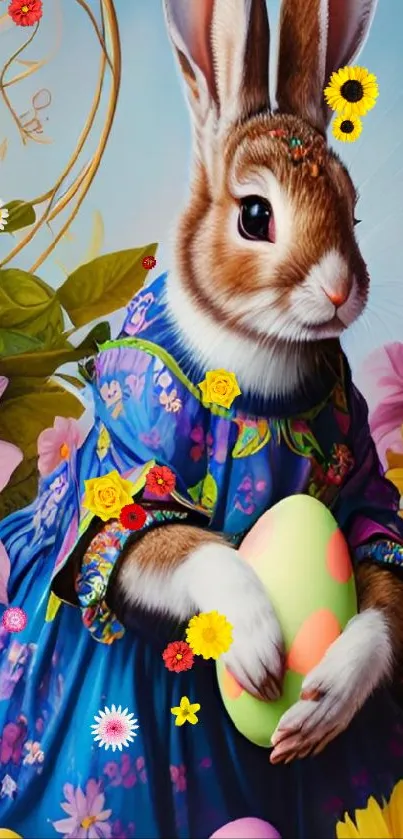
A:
143, 180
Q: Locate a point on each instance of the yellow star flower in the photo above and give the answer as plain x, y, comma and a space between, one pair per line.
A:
186, 712
209, 634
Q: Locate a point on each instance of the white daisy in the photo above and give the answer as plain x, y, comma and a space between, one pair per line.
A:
3, 215
114, 728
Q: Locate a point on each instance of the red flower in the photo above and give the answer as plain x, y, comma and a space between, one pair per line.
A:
25, 12
160, 480
149, 262
178, 657
133, 516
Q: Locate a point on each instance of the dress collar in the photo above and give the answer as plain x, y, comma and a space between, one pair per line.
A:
160, 328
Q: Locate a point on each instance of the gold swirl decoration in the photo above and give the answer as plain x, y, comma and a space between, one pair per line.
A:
68, 192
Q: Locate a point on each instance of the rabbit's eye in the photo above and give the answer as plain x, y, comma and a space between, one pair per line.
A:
256, 219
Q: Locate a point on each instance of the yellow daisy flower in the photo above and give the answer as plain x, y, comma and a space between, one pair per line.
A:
385, 822
209, 634
347, 130
352, 91
186, 712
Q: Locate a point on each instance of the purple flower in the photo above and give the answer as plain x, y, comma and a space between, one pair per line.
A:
87, 818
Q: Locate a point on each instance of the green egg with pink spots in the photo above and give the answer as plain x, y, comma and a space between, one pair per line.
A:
302, 558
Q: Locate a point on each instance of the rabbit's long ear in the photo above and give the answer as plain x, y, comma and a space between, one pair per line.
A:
317, 37
223, 52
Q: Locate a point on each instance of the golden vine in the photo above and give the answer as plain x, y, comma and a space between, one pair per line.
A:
107, 34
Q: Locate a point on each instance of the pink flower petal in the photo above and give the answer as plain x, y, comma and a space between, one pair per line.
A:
91, 792
68, 792
10, 458
96, 805
68, 826
3, 385
4, 574
102, 817
81, 804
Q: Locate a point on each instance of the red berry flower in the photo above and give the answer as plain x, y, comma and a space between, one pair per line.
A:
133, 516
149, 262
178, 657
25, 12
160, 480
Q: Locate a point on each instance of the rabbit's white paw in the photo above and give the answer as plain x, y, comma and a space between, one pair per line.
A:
354, 665
219, 579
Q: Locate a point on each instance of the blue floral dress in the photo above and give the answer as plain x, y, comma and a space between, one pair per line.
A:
230, 466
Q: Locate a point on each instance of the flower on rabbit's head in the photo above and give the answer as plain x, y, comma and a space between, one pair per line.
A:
25, 12
374, 820
352, 91
347, 130
57, 443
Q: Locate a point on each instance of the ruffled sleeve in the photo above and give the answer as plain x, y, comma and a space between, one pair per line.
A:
368, 505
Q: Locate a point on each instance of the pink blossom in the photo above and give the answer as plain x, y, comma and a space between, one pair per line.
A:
10, 455
381, 381
57, 443
87, 818
4, 573
178, 777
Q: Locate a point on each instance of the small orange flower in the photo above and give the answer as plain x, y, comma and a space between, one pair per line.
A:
25, 12
160, 480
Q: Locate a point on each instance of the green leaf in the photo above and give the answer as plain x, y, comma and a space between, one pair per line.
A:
104, 285
99, 334
29, 305
22, 419
45, 363
21, 214
210, 492
14, 343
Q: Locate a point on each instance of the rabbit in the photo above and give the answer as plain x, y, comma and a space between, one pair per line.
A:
268, 277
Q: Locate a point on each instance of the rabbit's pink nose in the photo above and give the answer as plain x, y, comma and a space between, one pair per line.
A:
338, 297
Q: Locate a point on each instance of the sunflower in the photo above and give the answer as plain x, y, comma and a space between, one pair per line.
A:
347, 130
374, 820
352, 91
209, 634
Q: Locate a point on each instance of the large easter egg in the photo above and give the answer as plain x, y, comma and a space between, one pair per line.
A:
250, 828
302, 558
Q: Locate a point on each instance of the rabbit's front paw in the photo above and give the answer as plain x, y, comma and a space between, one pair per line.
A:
222, 581
255, 657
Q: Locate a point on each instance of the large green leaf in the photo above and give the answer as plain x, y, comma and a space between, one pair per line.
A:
29, 305
45, 363
20, 214
22, 419
104, 285
13, 343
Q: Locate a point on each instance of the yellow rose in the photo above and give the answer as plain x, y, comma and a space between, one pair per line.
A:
107, 495
219, 387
